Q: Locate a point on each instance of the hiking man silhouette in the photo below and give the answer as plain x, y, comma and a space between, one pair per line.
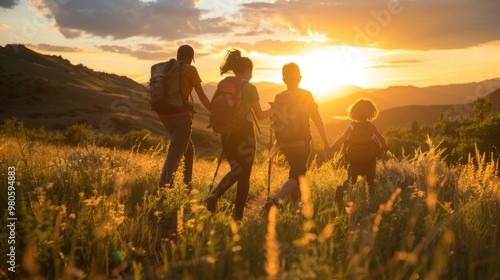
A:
179, 124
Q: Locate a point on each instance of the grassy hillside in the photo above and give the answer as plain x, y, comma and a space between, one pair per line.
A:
88, 212
48, 91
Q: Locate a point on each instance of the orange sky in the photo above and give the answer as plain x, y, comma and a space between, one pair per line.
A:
364, 43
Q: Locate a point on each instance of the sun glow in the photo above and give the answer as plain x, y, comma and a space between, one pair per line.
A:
325, 71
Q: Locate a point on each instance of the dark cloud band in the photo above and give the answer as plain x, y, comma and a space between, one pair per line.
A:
8, 4
389, 24
119, 19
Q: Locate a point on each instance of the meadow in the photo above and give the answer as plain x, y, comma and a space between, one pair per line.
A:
90, 212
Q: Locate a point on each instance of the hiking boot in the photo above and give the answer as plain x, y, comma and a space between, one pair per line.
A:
268, 205
211, 203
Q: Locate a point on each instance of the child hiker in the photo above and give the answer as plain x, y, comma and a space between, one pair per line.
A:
361, 146
292, 110
239, 146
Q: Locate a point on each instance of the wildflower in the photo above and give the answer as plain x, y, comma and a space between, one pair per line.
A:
157, 214
61, 209
93, 201
407, 257
236, 248
208, 259
194, 191
190, 223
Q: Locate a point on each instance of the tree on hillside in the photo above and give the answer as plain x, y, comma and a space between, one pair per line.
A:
482, 109
458, 136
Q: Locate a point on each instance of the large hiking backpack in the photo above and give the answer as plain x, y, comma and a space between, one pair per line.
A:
290, 118
164, 88
361, 145
227, 114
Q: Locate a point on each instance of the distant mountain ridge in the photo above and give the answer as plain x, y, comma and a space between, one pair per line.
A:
398, 96
43, 90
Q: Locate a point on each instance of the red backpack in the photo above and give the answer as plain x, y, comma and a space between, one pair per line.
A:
227, 114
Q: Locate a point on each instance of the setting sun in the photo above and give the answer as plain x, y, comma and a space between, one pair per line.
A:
325, 70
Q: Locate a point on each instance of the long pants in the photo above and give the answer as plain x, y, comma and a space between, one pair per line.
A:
179, 128
239, 148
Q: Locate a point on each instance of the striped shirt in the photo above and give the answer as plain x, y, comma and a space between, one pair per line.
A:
189, 78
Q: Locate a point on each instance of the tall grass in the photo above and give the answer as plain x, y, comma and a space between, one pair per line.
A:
87, 212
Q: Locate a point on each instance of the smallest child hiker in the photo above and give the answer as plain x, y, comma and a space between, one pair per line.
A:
361, 146
292, 110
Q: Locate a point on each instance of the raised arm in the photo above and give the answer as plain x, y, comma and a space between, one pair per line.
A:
203, 97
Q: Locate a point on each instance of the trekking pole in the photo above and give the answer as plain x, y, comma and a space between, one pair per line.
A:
269, 167
255, 121
216, 170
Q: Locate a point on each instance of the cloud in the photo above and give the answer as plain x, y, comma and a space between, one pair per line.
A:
147, 53
4, 26
119, 19
8, 4
154, 52
277, 47
396, 63
53, 48
387, 24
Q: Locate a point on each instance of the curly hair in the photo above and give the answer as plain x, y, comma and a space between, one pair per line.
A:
363, 109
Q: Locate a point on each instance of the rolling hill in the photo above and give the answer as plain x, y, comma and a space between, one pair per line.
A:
49, 91
43, 90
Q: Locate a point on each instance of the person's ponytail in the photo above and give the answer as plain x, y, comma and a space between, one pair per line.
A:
230, 61
234, 62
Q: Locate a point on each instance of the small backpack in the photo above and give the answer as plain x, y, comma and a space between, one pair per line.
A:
361, 146
227, 114
290, 118
164, 88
